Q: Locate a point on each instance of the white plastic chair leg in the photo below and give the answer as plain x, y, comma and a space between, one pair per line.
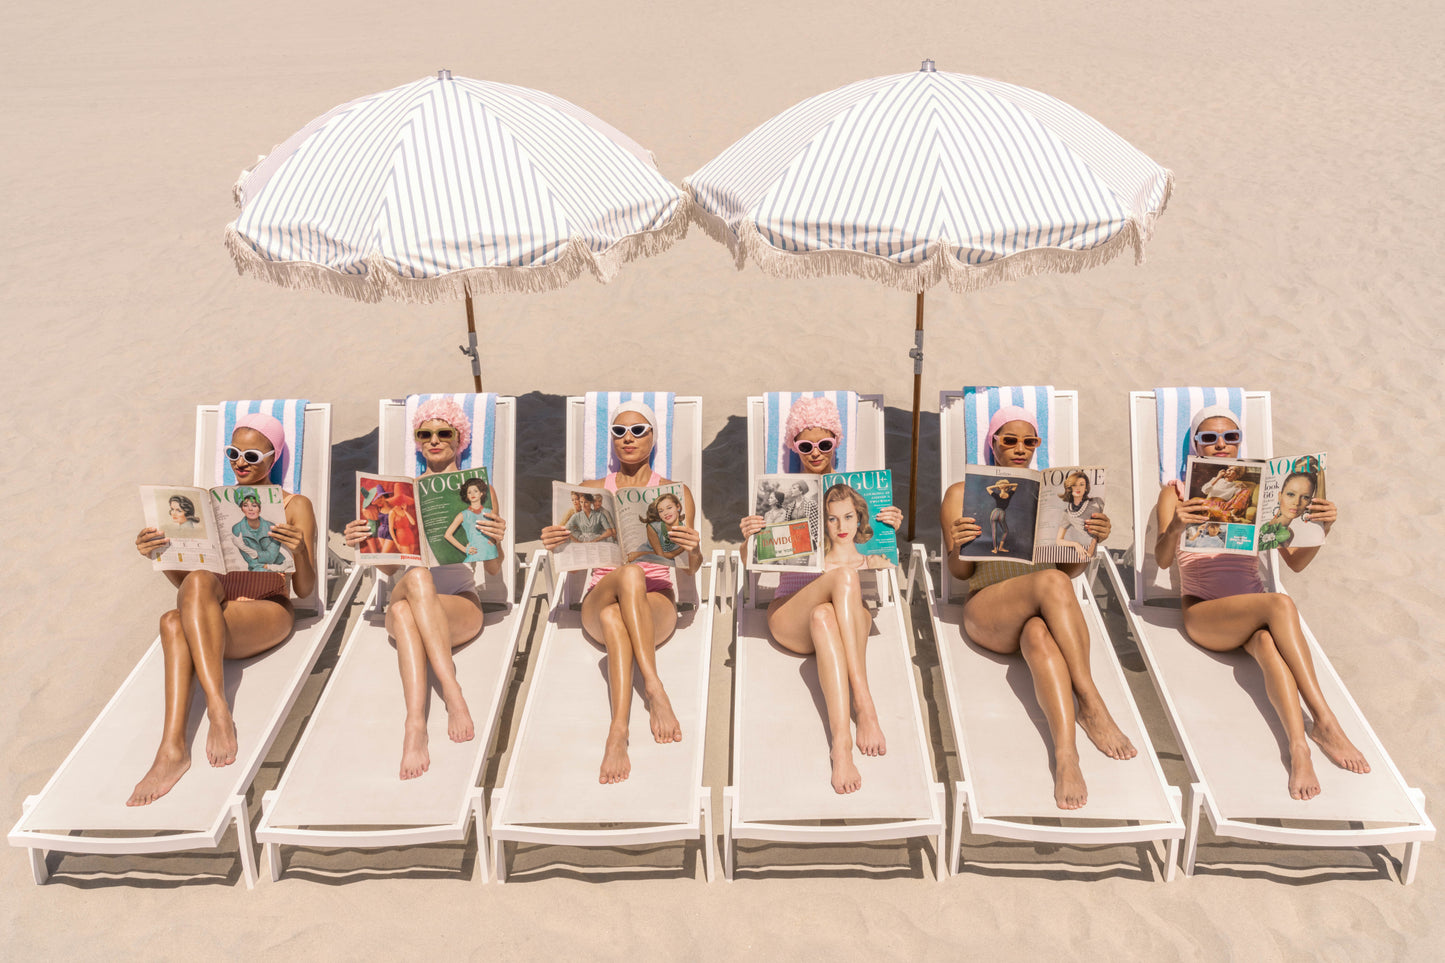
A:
960, 800
705, 797
1412, 859
940, 847
271, 851
1171, 851
38, 869
728, 803
1191, 832
479, 820
243, 839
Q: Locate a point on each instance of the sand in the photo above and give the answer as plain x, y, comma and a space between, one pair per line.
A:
1300, 254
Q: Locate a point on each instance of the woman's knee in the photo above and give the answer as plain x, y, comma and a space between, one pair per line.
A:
171, 627
1036, 641
199, 588
1054, 586
846, 579
400, 610
416, 580
823, 619
1281, 607
1261, 646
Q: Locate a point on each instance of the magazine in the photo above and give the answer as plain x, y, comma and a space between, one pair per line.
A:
609, 529
798, 533
1032, 516
1254, 506
222, 529
431, 520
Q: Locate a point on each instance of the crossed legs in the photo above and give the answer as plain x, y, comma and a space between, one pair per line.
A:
427, 627
1267, 626
1036, 614
631, 623
827, 618
197, 636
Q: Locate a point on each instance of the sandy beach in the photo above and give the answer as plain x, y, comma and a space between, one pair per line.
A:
1299, 254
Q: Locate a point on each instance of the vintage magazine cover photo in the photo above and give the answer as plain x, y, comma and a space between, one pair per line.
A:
222, 529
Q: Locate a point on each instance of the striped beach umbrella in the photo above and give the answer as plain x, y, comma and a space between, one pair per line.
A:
449, 187
929, 178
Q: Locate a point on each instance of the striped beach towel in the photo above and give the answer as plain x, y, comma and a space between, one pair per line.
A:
598, 458
1175, 408
482, 410
981, 403
285, 471
778, 458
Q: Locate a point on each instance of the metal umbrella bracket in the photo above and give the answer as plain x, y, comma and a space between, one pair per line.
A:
449, 187
928, 178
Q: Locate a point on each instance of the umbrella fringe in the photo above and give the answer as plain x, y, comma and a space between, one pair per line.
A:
380, 281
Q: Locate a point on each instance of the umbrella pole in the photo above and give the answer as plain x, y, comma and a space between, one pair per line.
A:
917, 355
470, 349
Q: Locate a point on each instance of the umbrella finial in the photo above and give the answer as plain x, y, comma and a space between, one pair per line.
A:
928, 68
444, 74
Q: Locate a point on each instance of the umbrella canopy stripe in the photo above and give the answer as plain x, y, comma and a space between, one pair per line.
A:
450, 185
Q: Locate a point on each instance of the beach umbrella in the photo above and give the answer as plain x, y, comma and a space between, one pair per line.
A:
929, 178
449, 187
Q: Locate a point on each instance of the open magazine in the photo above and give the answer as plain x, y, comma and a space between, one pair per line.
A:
805, 520
610, 529
1032, 516
222, 529
1253, 505
431, 520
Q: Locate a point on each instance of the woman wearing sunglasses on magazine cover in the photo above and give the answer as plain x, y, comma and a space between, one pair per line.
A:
1031, 609
230, 616
823, 614
432, 611
632, 609
1226, 607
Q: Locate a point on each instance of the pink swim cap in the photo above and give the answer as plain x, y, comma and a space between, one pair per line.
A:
275, 433
1002, 417
812, 413
445, 409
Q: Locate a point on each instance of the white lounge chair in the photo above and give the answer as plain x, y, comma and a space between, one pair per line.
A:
550, 793
88, 792
341, 788
1218, 709
1007, 788
781, 787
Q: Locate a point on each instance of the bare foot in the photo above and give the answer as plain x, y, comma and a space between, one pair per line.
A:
846, 777
415, 756
1303, 783
221, 740
459, 720
615, 764
1069, 789
1104, 733
1338, 749
665, 727
870, 735
165, 772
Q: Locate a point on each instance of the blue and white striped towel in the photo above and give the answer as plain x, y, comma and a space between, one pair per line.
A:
481, 409
778, 458
980, 404
292, 415
597, 455
1175, 408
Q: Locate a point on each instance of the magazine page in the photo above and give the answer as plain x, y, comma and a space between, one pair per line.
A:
450, 506
1067, 497
644, 517
1004, 502
1289, 486
245, 515
387, 503
791, 508
184, 516
866, 493
590, 517
1230, 489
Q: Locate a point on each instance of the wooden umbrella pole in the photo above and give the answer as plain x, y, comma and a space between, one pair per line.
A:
917, 355
470, 348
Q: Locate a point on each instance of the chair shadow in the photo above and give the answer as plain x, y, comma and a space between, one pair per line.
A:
724, 465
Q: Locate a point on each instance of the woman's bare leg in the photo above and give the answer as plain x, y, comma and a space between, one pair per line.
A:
1284, 696
998, 620
426, 627
1228, 623
173, 757
1052, 688
630, 622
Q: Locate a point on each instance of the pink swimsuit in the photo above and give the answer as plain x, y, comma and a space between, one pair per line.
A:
659, 578
1217, 575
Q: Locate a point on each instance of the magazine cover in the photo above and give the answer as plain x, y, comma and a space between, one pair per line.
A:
1005, 504
790, 506
644, 517
1230, 489
865, 493
608, 529
223, 529
1289, 486
388, 506
451, 506
1067, 497
590, 522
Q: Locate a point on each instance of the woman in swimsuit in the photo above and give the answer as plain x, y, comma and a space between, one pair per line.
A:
632, 610
1031, 609
432, 611
231, 616
1226, 607
824, 615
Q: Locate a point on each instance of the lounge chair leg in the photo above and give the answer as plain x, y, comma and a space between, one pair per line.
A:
940, 842
1191, 832
960, 800
499, 860
704, 796
479, 819
243, 840
728, 803
38, 869
272, 851
1171, 851
1412, 859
